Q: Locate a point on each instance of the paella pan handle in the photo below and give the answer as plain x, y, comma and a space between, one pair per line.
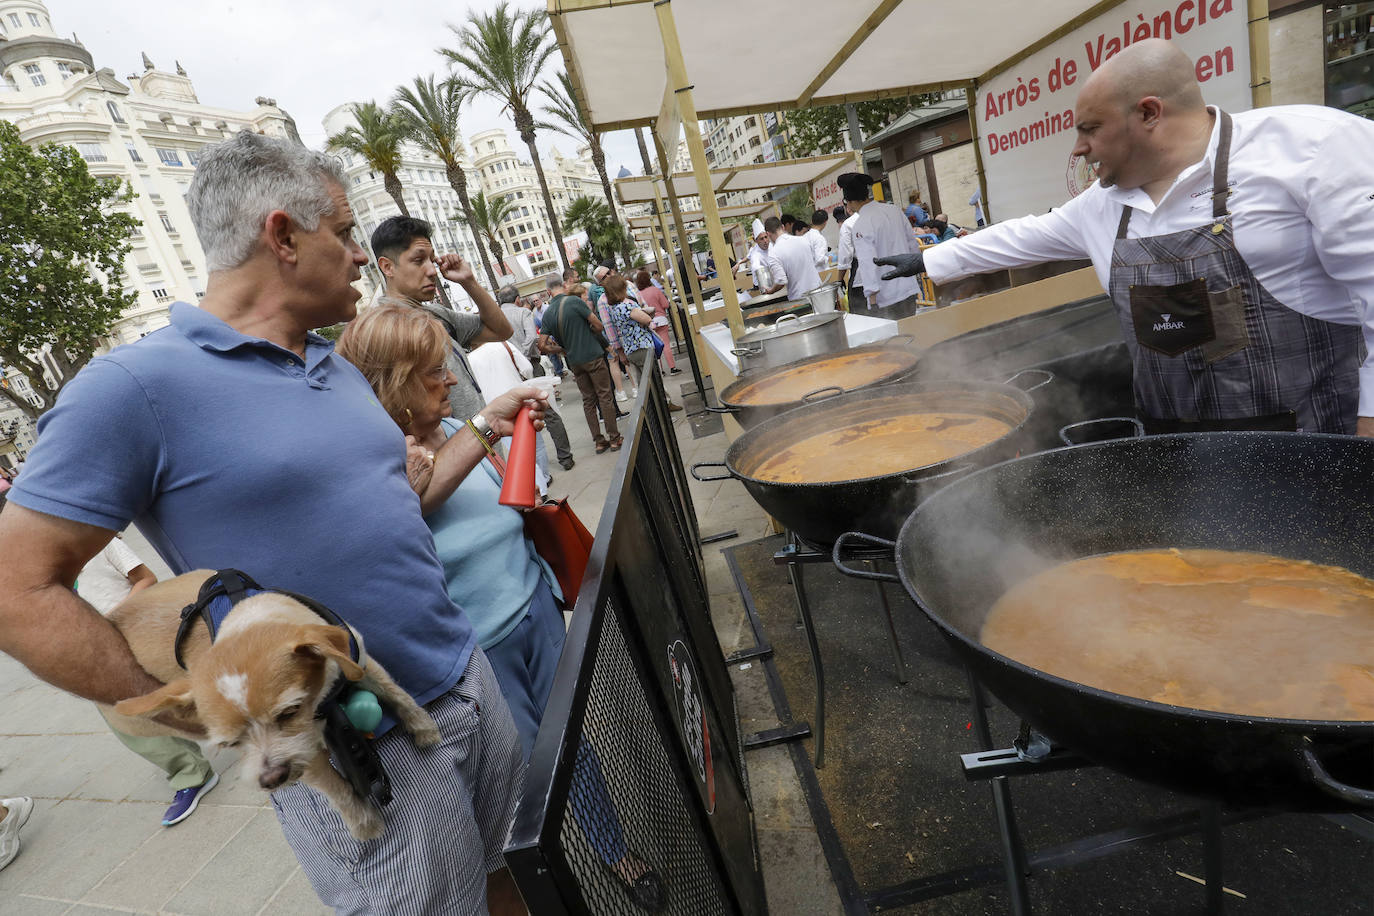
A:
858, 536
820, 394
948, 472
711, 464
1068, 440
746, 351
1047, 378
789, 317
1329, 784
899, 340
710, 409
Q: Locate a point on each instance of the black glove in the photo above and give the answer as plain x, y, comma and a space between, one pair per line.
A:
906, 265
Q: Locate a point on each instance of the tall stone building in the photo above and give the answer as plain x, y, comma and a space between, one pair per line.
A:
146, 128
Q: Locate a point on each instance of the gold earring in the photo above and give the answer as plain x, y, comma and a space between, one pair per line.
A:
410, 418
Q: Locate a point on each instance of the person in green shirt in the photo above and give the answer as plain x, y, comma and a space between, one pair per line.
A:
572, 324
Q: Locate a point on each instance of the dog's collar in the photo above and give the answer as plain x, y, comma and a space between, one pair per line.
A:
226, 588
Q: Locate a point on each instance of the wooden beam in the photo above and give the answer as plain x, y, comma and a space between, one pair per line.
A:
678, 79
1261, 90
1083, 18
848, 49
971, 94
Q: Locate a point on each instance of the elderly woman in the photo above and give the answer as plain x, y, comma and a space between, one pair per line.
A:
494, 573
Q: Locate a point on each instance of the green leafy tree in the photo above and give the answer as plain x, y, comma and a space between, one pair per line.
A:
816, 131
567, 118
428, 116
377, 139
484, 218
63, 239
605, 234
798, 202
499, 55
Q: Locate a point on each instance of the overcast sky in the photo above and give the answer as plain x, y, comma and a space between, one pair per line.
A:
309, 56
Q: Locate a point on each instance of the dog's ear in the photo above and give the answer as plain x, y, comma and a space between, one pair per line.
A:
174, 696
330, 643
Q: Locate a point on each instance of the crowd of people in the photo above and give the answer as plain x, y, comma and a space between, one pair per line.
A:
376, 498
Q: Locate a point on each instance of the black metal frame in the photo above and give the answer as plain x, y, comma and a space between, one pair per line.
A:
646, 580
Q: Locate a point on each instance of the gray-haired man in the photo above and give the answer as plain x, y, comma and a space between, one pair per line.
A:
236, 438
525, 339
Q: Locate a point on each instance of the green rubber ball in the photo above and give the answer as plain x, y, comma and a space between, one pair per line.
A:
363, 710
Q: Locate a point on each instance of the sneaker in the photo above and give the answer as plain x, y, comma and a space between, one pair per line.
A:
621, 396
19, 810
566, 463
675, 371
185, 801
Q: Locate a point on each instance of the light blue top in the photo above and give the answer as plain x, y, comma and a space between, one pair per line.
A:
230, 451
491, 567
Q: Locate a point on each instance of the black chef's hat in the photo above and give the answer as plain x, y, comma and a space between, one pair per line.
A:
855, 185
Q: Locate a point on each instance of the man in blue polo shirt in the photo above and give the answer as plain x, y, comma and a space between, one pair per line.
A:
236, 438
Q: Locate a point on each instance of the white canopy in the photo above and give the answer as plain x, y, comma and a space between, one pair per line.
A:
696, 217
767, 175
862, 49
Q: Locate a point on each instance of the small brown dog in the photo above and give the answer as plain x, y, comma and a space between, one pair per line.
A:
256, 686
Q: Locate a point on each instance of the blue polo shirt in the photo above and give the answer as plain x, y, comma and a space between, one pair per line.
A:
229, 451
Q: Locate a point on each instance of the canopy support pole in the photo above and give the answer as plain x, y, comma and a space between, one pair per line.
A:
684, 284
687, 109
685, 264
971, 95
1261, 90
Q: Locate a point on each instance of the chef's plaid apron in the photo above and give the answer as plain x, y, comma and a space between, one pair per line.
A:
1265, 359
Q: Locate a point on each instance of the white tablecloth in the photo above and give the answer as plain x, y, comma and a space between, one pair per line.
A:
860, 329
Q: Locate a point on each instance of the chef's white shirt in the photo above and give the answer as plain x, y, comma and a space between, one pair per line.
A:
820, 251
844, 252
881, 230
1302, 200
757, 256
789, 258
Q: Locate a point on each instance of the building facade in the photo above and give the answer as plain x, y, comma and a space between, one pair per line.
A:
146, 129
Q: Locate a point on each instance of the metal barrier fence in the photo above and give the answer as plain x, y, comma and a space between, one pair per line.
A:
639, 762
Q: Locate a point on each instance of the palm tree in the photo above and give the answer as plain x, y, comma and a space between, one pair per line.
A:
500, 55
484, 218
377, 139
568, 119
605, 234
427, 113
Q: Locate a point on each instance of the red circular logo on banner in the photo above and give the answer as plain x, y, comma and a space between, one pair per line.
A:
1079, 176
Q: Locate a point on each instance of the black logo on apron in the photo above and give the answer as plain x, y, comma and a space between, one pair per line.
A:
1172, 319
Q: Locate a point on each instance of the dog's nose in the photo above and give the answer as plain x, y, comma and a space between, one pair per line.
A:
273, 775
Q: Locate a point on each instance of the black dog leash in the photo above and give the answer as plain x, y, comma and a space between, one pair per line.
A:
350, 752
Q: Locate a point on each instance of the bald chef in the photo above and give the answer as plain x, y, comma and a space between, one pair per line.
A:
1235, 248
879, 229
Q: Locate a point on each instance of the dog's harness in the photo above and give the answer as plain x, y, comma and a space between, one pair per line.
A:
350, 751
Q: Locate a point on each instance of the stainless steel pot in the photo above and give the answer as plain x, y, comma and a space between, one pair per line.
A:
825, 298
789, 339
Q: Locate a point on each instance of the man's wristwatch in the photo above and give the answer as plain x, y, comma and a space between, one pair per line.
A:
483, 428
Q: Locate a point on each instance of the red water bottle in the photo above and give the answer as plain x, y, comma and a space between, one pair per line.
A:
518, 489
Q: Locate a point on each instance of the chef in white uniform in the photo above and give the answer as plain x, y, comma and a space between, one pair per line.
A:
791, 261
880, 230
820, 251
1235, 249
757, 255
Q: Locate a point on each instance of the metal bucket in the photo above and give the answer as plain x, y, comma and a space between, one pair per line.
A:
789, 339
824, 298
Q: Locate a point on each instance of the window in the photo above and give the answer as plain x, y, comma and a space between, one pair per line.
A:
64, 68
166, 222
114, 112
33, 18
168, 156
133, 153
357, 180
193, 156
161, 295
91, 152
525, 244
15, 21
35, 74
